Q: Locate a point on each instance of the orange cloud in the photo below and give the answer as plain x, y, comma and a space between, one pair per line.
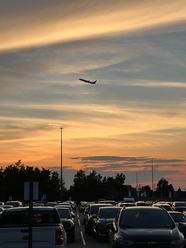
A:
57, 22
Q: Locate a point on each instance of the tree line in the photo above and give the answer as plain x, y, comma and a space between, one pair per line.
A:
89, 187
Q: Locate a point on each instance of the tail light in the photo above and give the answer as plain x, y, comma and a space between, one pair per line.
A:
59, 237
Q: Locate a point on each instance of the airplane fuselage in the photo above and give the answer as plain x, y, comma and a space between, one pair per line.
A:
88, 81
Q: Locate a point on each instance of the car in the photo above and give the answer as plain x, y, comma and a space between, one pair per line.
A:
82, 206
90, 214
108, 201
7, 206
179, 206
126, 204
51, 204
166, 206
66, 205
104, 216
15, 203
142, 227
179, 217
68, 222
85, 211
1, 210
47, 228
140, 203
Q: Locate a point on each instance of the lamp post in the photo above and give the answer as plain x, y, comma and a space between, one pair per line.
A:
3, 187
61, 167
152, 179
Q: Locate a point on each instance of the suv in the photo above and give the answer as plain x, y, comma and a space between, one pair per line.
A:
15, 203
105, 215
67, 219
90, 214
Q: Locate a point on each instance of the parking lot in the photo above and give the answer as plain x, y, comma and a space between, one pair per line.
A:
82, 239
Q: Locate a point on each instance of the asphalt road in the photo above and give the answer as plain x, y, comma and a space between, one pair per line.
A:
82, 239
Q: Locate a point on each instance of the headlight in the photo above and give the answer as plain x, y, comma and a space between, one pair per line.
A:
178, 241
123, 241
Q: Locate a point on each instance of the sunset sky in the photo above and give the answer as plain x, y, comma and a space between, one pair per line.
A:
132, 118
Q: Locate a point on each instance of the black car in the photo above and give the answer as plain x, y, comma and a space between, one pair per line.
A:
166, 206
105, 215
179, 217
90, 214
144, 227
179, 206
68, 223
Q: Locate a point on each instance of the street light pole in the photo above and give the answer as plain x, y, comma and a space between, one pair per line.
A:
61, 193
152, 179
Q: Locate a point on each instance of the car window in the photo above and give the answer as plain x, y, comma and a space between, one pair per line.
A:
22, 218
178, 217
64, 213
145, 219
108, 213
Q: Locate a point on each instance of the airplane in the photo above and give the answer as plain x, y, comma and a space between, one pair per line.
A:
88, 81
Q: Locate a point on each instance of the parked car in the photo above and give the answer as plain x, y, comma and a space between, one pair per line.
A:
90, 214
14, 203
166, 206
7, 206
144, 227
1, 210
66, 205
140, 203
85, 211
179, 217
104, 216
47, 228
108, 201
51, 204
126, 204
68, 223
179, 206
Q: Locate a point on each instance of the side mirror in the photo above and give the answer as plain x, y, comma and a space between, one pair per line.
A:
110, 226
181, 227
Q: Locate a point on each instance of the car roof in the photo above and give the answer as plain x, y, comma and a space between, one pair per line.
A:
101, 204
175, 212
146, 208
110, 207
26, 208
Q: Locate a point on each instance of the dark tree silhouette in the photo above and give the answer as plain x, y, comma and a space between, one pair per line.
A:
14, 176
163, 188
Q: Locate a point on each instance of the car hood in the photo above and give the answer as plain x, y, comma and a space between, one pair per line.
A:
144, 234
105, 220
177, 222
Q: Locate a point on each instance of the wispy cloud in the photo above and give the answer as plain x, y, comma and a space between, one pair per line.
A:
46, 23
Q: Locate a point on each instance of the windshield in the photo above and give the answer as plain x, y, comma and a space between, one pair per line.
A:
145, 219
